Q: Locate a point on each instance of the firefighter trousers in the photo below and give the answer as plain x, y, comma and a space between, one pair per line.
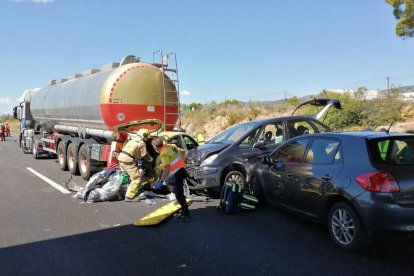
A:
136, 178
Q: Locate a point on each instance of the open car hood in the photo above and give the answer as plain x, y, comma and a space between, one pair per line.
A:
200, 153
326, 103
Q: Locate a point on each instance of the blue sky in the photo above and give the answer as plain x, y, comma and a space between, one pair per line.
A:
245, 50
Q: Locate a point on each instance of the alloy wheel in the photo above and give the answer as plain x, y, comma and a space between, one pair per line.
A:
343, 226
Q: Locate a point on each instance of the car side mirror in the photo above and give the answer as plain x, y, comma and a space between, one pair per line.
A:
259, 143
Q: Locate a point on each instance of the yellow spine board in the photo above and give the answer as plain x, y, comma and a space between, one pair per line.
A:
160, 214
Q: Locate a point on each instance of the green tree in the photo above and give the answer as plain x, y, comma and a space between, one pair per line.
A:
404, 13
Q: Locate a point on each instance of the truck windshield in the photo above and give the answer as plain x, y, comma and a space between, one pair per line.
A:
233, 134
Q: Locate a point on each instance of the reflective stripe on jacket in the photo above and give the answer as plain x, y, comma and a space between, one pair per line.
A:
171, 156
134, 150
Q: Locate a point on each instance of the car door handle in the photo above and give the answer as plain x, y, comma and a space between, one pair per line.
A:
327, 177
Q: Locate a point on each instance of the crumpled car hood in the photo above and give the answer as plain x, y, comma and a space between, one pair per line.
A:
200, 153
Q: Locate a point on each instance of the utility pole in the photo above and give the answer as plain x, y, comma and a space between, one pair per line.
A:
388, 82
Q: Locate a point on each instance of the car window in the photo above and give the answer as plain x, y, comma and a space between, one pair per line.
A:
396, 151
291, 152
189, 143
319, 127
249, 141
323, 151
233, 134
272, 133
176, 141
299, 127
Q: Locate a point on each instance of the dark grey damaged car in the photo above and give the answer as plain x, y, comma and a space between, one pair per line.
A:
231, 155
360, 184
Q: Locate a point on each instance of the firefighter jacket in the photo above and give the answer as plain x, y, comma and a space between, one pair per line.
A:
132, 151
171, 156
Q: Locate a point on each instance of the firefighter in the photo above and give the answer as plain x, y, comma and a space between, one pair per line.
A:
2, 133
172, 164
7, 130
134, 150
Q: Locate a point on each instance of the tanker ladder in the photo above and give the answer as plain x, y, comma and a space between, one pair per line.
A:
170, 73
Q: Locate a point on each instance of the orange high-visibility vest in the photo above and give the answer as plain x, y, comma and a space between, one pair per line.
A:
171, 156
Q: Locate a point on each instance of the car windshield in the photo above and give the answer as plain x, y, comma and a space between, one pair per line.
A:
233, 134
393, 150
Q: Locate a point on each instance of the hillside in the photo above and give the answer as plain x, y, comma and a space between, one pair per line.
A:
357, 113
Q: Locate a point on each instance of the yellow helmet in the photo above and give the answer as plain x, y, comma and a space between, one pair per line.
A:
143, 132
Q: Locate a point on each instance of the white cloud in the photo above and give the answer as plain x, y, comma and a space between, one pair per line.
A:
185, 93
5, 100
34, 1
6, 105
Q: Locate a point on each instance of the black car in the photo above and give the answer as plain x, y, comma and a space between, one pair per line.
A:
231, 155
360, 183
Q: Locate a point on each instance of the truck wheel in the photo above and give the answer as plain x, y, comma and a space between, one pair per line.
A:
34, 150
235, 177
84, 161
61, 155
72, 159
23, 148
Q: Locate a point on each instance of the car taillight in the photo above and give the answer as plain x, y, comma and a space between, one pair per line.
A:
378, 181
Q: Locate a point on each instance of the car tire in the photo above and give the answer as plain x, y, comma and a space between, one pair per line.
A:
72, 159
61, 155
345, 228
84, 161
235, 176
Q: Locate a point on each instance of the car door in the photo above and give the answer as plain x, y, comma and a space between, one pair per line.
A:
281, 181
317, 174
261, 141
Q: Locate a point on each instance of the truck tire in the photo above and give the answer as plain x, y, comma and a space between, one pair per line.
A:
24, 150
84, 161
35, 150
61, 155
72, 159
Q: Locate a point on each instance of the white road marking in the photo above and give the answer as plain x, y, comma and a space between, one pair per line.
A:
50, 182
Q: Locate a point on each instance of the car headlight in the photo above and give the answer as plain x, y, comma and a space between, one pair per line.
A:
209, 160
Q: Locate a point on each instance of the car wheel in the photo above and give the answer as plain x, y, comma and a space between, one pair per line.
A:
72, 159
84, 162
235, 177
346, 228
61, 155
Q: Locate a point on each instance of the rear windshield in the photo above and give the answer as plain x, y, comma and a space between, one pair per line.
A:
393, 150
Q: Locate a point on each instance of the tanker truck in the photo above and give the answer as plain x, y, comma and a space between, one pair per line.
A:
73, 119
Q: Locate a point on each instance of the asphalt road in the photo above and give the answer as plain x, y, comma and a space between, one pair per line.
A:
46, 232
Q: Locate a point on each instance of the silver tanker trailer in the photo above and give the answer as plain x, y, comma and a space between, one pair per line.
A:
74, 118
